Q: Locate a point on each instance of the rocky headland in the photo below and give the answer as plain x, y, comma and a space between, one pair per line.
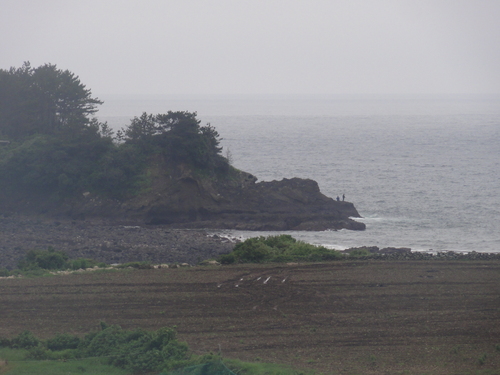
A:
179, 197
289, 204
167, 222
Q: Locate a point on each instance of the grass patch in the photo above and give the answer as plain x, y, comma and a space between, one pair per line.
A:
13, 354
94, 366
261, 368
18, 365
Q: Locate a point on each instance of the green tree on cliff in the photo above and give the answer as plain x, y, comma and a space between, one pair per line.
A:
56, 146
58, 149
43, 100
179, 137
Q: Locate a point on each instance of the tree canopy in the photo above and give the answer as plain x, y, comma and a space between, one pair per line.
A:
43, 100
58, 148
179, 136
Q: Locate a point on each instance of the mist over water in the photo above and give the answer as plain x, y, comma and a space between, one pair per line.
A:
422, 171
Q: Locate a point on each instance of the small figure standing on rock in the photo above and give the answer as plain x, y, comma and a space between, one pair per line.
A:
343, 197
338, 199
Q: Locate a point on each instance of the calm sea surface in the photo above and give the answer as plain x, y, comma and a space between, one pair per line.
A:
424, 172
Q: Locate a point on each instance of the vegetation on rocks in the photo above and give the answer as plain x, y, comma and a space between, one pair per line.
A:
285, 248
282, 248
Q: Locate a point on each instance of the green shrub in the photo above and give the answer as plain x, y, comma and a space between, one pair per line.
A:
227, 259
25, 340
138, 350
38, 352
63, 341
5, 342
4, 272
35, 262
253, 250
282, 241
45, 259
301, 249
282, 248
323, 254
82, 264
104, 342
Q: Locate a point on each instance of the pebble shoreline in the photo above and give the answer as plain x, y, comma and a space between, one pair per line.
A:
449, 255
110, 243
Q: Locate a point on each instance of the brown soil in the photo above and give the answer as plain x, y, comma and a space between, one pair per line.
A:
366, 317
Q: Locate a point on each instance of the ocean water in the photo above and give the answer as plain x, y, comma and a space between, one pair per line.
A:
422, 171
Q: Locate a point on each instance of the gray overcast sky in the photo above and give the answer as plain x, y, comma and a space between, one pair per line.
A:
260, 47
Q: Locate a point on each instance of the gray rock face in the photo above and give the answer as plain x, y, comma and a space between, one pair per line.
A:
289, 204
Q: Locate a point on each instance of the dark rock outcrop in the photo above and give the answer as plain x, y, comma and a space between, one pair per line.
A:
181, 199
289, 204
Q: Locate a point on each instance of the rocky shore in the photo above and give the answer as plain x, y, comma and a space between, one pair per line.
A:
112, 243
105, 242
405, 253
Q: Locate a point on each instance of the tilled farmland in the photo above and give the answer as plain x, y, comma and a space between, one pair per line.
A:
368, 317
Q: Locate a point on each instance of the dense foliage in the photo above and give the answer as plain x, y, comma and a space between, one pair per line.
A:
136, 351
179, 137
53, 147
282, 248
43, 100
54, 260
38, 262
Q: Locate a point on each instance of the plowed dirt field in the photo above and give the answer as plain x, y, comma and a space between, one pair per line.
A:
366, 317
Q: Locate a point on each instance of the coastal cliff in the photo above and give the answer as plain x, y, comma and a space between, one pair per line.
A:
179, 198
